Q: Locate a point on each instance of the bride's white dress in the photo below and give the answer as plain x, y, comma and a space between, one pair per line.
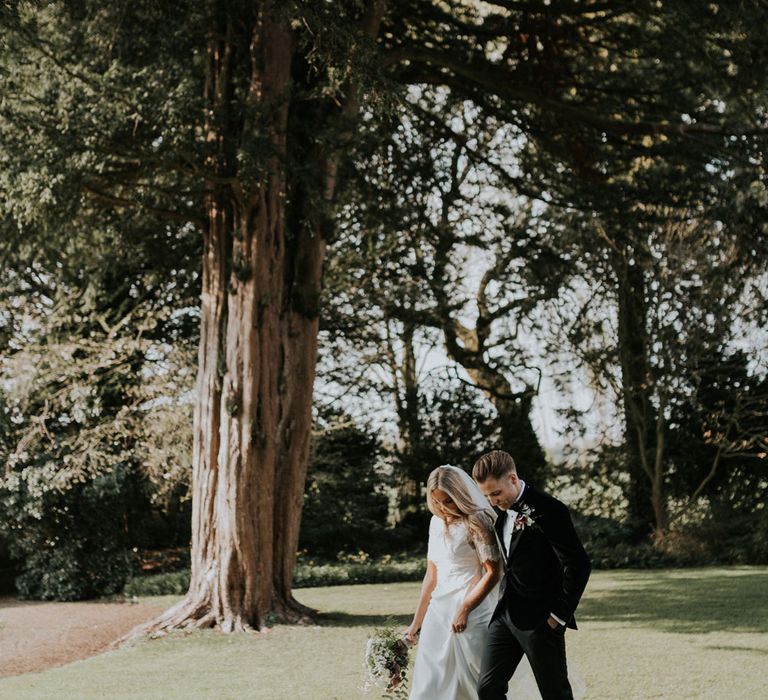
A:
447, 664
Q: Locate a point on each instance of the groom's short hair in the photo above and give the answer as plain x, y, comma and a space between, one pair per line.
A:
493, 465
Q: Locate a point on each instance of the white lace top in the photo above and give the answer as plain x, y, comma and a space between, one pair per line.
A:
458, 552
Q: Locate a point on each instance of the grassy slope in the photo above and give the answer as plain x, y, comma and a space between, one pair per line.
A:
697, 633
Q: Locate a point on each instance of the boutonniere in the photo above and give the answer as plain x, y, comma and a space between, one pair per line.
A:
524, 517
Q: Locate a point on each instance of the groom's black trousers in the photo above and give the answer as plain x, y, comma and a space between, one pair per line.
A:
545, 649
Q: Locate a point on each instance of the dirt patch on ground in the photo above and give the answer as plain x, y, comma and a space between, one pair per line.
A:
35, 636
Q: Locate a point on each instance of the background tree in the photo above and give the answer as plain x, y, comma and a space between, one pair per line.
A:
438, 216
90, 121
95, 368
691, 280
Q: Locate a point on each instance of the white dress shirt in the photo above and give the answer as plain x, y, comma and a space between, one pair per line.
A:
509, 523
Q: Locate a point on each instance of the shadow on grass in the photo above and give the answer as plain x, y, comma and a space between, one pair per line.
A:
343, 619
683, 601
749, 650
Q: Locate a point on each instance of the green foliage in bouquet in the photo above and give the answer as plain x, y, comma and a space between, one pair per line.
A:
386, 661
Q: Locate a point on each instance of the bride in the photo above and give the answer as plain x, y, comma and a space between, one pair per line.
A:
459, 594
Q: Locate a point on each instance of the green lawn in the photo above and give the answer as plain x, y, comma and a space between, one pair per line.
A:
698, 633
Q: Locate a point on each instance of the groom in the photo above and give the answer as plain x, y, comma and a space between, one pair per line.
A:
546, 571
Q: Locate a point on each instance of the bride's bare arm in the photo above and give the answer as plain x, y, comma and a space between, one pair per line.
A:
427, 586
477, 593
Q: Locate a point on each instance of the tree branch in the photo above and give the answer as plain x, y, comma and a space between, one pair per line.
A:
495, 79
118, 202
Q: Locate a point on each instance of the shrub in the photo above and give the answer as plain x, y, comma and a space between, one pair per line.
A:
384, 570
173, 583
308, 573
610, 545
728, 538
345, 508
709, 540
69, 537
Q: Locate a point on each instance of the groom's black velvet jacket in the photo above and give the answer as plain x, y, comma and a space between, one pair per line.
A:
547, 568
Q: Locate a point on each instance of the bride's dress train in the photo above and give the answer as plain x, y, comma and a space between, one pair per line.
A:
447, 664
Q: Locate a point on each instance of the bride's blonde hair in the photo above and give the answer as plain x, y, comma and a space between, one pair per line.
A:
472, 515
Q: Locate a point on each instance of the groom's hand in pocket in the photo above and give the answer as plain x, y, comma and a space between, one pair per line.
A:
553, 623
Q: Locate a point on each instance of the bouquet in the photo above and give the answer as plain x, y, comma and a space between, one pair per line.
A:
386, 662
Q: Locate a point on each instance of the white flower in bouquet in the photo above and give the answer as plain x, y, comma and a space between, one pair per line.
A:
386, 663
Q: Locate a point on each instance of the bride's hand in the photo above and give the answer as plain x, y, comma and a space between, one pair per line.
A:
460, 621
412, 634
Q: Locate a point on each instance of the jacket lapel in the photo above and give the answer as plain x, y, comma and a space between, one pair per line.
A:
517, 535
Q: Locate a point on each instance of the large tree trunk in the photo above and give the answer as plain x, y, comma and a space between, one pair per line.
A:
658, 492
306, 254
257, 353
639, 415
262, 274
406, 390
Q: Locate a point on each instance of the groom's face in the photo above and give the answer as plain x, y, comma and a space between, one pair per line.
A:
501, 492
